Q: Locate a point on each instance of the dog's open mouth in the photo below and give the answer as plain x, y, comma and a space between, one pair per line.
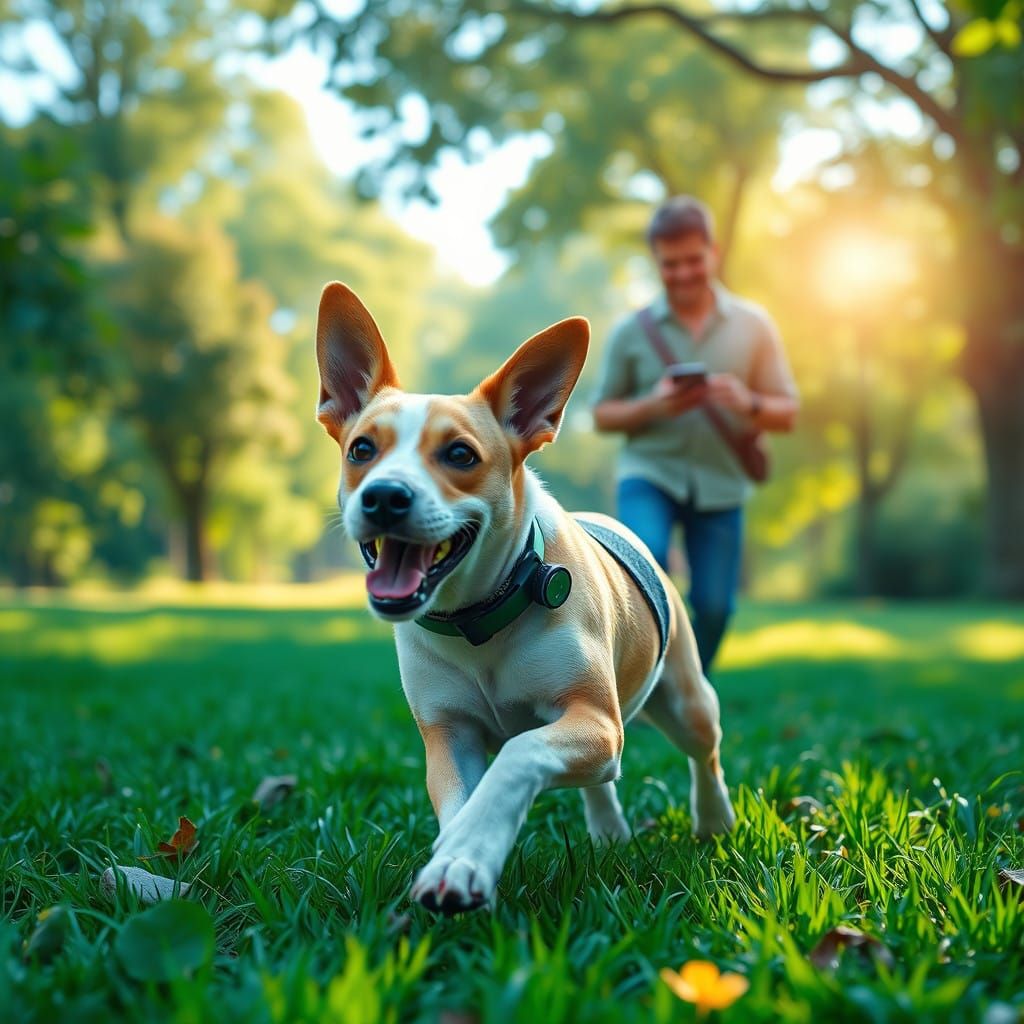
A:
403, 574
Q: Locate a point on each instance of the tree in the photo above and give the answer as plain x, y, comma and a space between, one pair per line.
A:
295, 227
489, 80
456, 55
203, 371
975, 110
653, 139
144, 99
52, 361
863, 332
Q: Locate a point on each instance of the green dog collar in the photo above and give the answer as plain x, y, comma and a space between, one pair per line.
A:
532, 581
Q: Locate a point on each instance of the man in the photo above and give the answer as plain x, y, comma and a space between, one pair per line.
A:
676, 467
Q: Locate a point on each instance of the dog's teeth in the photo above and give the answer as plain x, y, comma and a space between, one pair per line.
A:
442, 551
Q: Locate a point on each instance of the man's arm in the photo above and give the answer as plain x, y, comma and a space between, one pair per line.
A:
776, 413
631, 415
770, 400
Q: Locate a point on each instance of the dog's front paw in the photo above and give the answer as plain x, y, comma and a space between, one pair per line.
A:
451, 885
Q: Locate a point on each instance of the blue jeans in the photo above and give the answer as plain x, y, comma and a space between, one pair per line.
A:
713, 542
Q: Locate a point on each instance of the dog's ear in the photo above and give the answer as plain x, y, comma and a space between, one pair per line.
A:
528, 394
352, 357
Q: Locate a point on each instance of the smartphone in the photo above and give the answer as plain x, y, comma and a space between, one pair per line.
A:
688, 373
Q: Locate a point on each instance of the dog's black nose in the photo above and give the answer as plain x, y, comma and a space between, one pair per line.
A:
386, 502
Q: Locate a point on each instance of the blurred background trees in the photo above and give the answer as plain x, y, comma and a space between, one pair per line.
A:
166, 224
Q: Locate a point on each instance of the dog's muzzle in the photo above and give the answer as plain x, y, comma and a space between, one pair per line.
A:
404, 573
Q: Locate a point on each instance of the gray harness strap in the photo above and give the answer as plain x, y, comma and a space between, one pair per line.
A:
640, 570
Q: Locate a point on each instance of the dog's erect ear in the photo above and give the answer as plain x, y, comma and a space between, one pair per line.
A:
528, 394
353, 359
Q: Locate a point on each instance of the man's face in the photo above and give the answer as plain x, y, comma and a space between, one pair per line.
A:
686, 266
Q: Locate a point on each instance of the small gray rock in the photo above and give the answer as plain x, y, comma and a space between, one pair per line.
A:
148, 887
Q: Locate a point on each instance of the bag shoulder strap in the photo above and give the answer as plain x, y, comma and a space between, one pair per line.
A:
655, 337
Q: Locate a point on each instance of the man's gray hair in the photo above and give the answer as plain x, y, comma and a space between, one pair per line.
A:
681, 216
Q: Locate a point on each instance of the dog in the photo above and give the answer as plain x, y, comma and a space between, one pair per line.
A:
521, 631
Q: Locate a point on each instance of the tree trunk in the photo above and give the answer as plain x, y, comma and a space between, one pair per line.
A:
863, 428
22, 572
1001, 418
867, 554
730, 222
993, 366
196, 548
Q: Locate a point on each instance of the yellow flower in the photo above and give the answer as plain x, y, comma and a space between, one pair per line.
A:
701, 983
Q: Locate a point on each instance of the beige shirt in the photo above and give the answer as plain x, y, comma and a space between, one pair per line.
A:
685, 455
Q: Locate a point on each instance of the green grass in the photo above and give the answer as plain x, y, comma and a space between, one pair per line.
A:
906, 723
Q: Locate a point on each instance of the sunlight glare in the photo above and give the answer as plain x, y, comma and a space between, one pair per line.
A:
860, 270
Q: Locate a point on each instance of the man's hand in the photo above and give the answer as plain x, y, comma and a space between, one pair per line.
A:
729, 392
666, 400
672, 398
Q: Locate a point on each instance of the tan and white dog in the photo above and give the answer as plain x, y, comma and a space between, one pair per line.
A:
435, 490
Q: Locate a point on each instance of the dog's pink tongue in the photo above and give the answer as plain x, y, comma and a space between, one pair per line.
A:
400, 568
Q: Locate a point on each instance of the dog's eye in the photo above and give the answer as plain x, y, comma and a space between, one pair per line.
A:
460, 455
362, 450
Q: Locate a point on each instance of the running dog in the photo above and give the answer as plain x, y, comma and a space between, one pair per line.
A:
522, 631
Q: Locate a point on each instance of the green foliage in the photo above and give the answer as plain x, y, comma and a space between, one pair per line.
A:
929, 543
50, 933
144, 100
622, 97
655, 135
53, 359
166, 942
203, 371
1001, 28
904, 723
502, 72
109, 453
360, 994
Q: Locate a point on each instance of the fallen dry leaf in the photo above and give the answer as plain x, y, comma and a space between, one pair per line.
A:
273, 789
182, 843
828, 952
148, 887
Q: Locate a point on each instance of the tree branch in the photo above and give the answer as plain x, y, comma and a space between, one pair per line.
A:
699, 27
944, 119
857, 63
941, 37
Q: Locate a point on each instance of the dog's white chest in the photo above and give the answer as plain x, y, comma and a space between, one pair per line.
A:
507, 686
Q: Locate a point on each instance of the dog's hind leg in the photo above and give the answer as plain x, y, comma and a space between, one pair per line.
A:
605, 821
685, 708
